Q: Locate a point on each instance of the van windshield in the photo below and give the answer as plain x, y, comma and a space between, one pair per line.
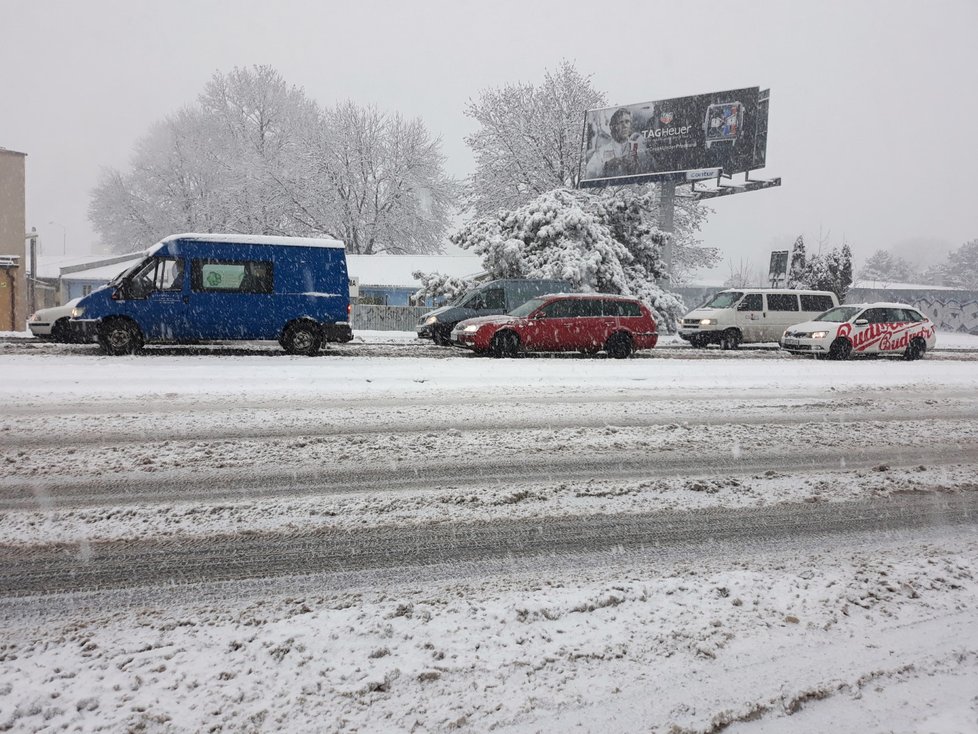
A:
838, 314
726, 299
126, 273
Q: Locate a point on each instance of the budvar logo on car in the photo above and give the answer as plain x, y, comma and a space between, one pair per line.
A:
889, 337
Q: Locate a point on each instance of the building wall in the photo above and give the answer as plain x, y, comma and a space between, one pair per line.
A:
13, 225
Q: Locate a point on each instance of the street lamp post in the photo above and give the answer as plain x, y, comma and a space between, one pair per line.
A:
64, 236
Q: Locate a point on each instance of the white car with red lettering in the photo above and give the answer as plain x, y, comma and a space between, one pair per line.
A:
894, 329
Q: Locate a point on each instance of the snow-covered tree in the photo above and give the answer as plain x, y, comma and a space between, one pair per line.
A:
255, 155
885, 267
829, 272
437, 285
796, 269
961, 268
529, 139
598, 243
383, 187
529, 143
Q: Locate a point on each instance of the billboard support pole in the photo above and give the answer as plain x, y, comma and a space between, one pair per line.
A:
667, 211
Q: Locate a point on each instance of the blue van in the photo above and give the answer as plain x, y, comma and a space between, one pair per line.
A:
201, 287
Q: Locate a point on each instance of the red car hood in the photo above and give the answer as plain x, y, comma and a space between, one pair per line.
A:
482, 320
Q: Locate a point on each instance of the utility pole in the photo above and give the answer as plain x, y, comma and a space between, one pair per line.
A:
667, 213
32, 273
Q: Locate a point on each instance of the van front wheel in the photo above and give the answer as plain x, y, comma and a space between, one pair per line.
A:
302, 338
730, 339
120, 336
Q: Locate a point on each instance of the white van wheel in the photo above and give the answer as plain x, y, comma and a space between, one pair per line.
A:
730, 339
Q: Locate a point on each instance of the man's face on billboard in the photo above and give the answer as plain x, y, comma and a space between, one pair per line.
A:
621, 126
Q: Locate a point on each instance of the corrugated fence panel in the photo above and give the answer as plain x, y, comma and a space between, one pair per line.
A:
385, 318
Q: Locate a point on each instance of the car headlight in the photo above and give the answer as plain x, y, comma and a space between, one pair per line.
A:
471, 328
708, 322
34, 317
431, 320
819, 334
77, 312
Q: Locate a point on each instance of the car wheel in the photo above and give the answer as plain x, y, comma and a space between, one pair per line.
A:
120, 336
840, 349
441, 335
60, 332
302, 338
730, 339
619, 346
915, 350
504, 344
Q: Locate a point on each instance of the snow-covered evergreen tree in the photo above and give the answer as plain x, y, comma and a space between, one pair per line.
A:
599, 243
829, 272
437, 285
961, 269
796, 270
255, 155
884, 267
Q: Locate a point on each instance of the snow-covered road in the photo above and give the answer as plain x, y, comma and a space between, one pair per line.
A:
660, 544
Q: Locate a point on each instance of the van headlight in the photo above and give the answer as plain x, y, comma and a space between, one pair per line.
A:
77, 312
708, 322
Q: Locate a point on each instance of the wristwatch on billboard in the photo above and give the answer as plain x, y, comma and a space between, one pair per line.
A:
723, 123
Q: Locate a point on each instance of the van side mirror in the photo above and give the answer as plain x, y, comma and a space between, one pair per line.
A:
861, 322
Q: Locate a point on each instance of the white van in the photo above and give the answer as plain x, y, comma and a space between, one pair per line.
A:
752, 315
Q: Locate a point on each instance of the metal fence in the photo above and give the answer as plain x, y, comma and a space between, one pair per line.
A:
385, 318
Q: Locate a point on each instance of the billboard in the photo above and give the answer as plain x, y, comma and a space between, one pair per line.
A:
682, 139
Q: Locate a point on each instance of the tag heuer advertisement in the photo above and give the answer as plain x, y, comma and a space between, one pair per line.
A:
668, 138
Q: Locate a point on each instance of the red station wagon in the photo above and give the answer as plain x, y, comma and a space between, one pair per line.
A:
563, 322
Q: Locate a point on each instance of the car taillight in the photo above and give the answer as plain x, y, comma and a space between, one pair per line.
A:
349, 309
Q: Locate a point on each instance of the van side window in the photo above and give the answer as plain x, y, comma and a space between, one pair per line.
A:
815, 302
226, 276
751, 302
782, 302
494, 298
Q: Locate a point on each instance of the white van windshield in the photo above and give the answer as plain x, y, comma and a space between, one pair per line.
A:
726, 299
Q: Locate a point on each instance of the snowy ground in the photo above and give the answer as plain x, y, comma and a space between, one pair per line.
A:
851, 631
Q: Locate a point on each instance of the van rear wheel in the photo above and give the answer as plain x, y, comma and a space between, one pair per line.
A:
302, 338
120, 336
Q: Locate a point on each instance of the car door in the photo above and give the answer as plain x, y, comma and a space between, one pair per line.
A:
867, 330
750, 317
549, 326
782, 311
155, 299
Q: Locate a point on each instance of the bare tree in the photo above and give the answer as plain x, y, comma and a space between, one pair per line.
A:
255, 155
529, 139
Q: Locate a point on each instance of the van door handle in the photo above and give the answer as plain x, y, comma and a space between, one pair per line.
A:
186, 299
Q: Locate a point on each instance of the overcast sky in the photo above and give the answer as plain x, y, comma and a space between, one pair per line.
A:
873, 122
